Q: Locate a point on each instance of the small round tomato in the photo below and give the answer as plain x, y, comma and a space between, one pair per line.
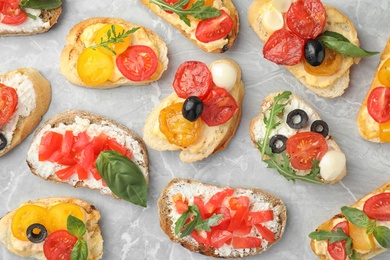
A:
337, 250
193, 78
219, 107
94, 67
306, 18
329, 65
304, 147
378, 207
137, 63
58, 215
13, 15
284, 48
384, 73
59, 245
101, 36
378, 104
8, 103
25, 216
176, 128
213, 29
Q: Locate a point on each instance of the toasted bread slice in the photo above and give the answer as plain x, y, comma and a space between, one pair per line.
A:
82, 36
187, 189
93, 236
34, 96
320, 247
258, 129
369, 129
217, 46
82, 121
325, 86
210, 140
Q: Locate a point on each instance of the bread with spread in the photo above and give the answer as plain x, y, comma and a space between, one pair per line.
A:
110, 52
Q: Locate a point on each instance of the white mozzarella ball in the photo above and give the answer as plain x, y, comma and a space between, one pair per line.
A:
273, 20
224, 75
332, 165
281, 5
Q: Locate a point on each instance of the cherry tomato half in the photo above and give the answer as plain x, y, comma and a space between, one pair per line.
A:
384, 73
378, 207
13, 15
101, 35
8, 103
329, 65
378, 104
213, 29
59, 213
59, 245
25, 216
337, 249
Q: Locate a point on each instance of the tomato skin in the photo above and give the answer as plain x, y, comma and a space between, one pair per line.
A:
266, 233
8, 103
199, 202
259, 217
50, 142
13, 15
59, 245
213, 29
284, 48
246, 242
378, 104
216, 200
219, 237
337, 250
378, 207
241, 206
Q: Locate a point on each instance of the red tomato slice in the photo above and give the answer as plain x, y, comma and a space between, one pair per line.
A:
224, 222
246, 242
213, 29
306, 18
99, 143
67, 142
86, 157
199, 202
219, 237
59, 245
219, 107
200, 239
243, 230
378, 207
241, 207
304, 147
216, 200
266, 233
50, 142
259, 217
66, 172
8, 103
193, 78
337, 250
80, 142
137, 63
284, 48
181, 206
95, 173
13, 15
378, 104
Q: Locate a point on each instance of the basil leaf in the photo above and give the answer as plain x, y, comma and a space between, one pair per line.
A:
210, 222
79, 251
333, 236
181, 221
356, 217
335, 35
75, 226
382, 235
123, 177
40, 4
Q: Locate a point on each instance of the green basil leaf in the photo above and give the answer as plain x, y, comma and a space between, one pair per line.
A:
332, 236
210, 222
75, 226
179, 224
40, 4
123, 177
354, 255
79, 251
348, 246
382, 235
335, 35
356, 216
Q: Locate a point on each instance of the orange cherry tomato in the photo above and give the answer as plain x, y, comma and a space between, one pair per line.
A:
8, 103
101, 36
384, 73
58, 215
329, 66
25, 216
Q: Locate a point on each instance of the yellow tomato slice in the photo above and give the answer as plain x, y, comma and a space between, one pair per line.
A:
384, 132
58, 215
24, 217
384, 73
206, 3
94, 67
329, 66
102, 36
361, 240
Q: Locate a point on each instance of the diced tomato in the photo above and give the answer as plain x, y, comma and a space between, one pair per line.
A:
217, 199
266, 233
259, 217
181, 206
67, 142
224, 222
50, 142
66, 172
246, 242
81, 172
57, 155
241, 206
95, 173
219, 238
202, 240
99, 143
243, 230
86, 157
81, 140
199, 202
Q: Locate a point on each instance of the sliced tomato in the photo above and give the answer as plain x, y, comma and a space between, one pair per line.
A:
213, 29
266, 233
66, 172
306, 18
99, 143
384, 73
378, 104
202, 240
114, 145
258, 217
8, 103
59, 245
95, 173
138, 62
86, 157
219, 237
193, 78
243, 230
50, 142
284, 48
304, 147
246, 242
241, 206
337, 250
181, 206
67, 142
219, 107
224, 222
217, 199
199, 202
13, 15
378, 207
80, 142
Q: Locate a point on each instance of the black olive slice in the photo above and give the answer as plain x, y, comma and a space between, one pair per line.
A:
36, 233
192, 108
278, 143
314, 52
297, 114
3, 142
321, 127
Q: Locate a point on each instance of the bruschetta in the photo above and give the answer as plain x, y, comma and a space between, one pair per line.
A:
86, 150
53, 228
203, 113
220, 221
293, 139
25, 97
110, 52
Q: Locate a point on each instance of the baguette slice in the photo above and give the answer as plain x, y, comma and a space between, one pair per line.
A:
325, 86
257, 130
211, 139
218, 46
259, 200
320, 247
34, 92
93, 236
82, 36
369, 129
78, 121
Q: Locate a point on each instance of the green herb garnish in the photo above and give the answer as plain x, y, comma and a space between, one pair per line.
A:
123, 177
77, 228
38, 4
197, 10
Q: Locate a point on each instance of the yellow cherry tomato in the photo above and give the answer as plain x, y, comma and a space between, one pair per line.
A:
102, 36
176, 128
58, 215
384, 132
329, 66
94, 67
384, 73
206, 3
360, 239
24, 217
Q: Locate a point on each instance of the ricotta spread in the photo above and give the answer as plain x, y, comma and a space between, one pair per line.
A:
30, 25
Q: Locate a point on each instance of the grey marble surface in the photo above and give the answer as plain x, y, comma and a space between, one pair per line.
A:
132, 232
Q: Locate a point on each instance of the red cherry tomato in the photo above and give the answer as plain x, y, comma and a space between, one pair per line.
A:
137, 63
306, 18
378, 104
193, 78
13, 15
337, 250
246, 242
8, 103
59, 245
219, 107
284, 48
378, 207
304, 147
213, 29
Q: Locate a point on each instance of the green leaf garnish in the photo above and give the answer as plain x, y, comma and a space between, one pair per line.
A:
332, 236
77, 228
40, 4
382, 235
79, 251
123, 177
356, 216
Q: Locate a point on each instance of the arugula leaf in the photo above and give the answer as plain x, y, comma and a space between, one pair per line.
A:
40, 4
332, 236
77, 228
382, 235
356, 216
209, 222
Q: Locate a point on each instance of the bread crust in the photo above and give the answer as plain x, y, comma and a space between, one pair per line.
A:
26, 125
174, 20
27, 249
74, 47
166, 205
